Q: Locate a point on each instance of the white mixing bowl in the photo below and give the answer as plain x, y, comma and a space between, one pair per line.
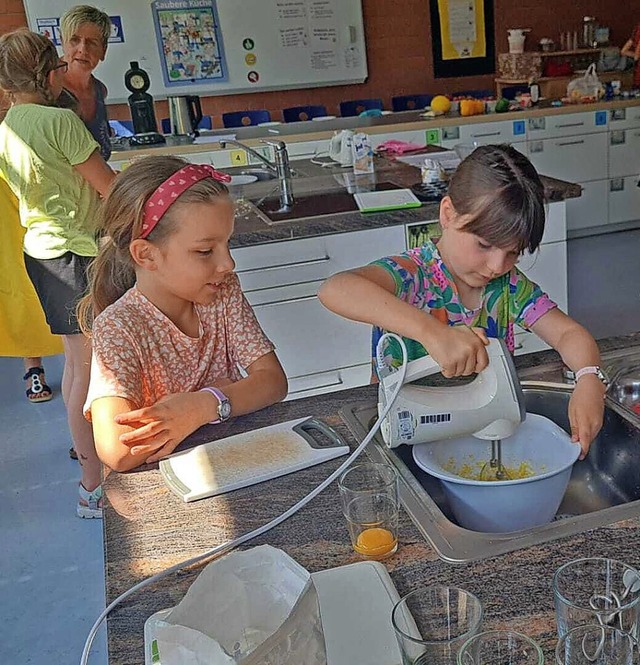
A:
504, 505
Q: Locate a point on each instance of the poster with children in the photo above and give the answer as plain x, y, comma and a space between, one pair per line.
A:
189, 41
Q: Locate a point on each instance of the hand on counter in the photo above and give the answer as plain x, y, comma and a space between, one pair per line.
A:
160, 428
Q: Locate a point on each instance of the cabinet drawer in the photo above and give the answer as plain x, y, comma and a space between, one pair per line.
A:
568, 124
328, 382
501, 131
311, 339
572, 158
590, 209
624, 152
624, 199
311, 259
626, 118
548, 269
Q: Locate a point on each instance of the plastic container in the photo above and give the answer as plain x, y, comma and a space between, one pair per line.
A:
505, 505
516, 37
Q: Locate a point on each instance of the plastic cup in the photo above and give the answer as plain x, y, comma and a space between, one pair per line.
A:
595, 645
463, 150
500, 647
369, 498
597, 591
433, 623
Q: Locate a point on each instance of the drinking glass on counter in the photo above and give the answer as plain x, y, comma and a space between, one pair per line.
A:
432, 624
597, 591
500, 647
370, 504
596, 645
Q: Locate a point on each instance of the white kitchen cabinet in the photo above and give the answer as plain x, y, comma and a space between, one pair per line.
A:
624, 199
624, 152
590, 209
567, 124
320, 351
625, 118
572, 158
500, 131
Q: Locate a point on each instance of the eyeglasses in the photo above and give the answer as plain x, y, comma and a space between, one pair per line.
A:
63, 65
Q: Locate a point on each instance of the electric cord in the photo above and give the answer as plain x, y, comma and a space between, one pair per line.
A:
218, 550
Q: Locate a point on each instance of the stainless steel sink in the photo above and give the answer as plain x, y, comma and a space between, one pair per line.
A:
604, 488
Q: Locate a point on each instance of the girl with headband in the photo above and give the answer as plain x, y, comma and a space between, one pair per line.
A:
53, 166
176, 345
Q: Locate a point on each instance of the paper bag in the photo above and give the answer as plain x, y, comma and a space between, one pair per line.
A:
256, 607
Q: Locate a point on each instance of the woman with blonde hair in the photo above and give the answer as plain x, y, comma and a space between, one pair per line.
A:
85, 31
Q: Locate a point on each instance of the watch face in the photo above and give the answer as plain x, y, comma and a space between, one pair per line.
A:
224, 410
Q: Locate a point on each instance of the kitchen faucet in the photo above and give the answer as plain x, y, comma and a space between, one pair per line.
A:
280, 167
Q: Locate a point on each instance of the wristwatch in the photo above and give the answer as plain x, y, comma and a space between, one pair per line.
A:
224, 405
593, 369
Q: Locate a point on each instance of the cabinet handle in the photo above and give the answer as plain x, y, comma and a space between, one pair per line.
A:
564, 143
486, 134
271, 303
288, 264
571, 124
518, 346
339, 382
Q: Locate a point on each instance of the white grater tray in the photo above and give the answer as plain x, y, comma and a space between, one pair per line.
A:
253, 457
355, 606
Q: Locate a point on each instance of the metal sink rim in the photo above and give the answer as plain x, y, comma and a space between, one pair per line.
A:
455, 544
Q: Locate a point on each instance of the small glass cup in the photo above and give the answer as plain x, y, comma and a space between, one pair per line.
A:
370, 503
596, 645
597, 591
500, 647
433, 623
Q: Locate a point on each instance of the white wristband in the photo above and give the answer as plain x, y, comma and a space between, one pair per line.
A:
592, 369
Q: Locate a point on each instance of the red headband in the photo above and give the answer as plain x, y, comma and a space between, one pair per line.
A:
167, 193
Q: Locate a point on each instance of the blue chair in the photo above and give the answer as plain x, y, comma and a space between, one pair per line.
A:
510, 91
245, 118
301, 113
410, 102
357, 106
477, 94
205, 123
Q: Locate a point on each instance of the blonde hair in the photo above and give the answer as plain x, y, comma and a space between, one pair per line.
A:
26, 59
112, 273
73, 18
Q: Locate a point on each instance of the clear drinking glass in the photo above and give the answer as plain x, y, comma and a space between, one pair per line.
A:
500, 647
432, 624
597, 591
370, 504
596, 645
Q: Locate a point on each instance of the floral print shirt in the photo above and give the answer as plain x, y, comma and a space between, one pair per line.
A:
423, 280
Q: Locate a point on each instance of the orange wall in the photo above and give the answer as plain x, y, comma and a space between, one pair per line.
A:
399, 50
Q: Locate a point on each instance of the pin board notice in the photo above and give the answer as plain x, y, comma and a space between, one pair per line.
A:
218, 47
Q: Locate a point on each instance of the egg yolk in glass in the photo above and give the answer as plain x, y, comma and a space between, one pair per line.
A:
375, 542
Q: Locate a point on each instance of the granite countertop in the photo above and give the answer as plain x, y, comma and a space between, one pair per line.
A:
148, 529
251, 229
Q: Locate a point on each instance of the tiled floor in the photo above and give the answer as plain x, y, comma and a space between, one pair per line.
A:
51, 562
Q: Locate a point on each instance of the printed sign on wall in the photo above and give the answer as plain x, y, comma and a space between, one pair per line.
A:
189, 41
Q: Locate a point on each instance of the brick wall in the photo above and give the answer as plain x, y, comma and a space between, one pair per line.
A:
399, 50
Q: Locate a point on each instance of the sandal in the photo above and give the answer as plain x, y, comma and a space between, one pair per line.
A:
39, 391
93, 507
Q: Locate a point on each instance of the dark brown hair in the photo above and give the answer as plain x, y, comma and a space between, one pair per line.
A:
499, 189
112, 273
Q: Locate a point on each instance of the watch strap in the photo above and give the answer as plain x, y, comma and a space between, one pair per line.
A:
220, 396
591, 369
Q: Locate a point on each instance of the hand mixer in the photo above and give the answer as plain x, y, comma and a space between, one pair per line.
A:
491, 406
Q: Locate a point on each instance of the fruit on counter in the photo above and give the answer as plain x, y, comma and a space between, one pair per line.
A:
471, 107
440, 104
502, 105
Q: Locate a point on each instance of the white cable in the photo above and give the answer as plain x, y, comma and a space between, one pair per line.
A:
225, 547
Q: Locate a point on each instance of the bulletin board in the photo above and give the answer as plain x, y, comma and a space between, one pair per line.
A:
462, 37
220, 47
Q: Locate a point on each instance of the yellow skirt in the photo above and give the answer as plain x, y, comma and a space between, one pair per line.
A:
24, 332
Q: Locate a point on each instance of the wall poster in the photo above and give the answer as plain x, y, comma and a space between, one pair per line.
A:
462, 37
189, 41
